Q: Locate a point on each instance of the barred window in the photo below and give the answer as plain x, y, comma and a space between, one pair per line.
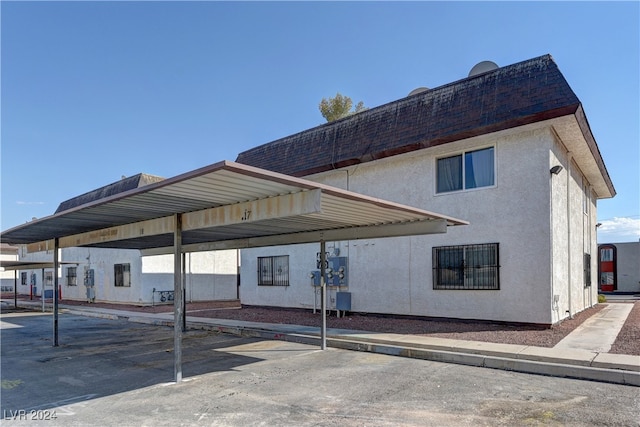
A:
48, 278
23, 278
587, 270
466, 267
273, 271
122, 274
72, 279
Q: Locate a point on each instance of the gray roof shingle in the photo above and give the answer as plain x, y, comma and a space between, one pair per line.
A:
125, 184
507, 97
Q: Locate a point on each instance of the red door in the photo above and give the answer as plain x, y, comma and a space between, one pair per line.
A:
607, 268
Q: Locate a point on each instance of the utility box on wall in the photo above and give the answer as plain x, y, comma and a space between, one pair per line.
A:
336, 272
89, 282
343, 301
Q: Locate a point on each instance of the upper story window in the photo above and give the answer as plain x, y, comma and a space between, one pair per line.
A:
471, 169
585, 196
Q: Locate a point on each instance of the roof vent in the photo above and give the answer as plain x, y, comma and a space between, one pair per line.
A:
483, 67
418, 90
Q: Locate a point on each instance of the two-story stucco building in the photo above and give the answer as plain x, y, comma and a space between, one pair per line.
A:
509, 150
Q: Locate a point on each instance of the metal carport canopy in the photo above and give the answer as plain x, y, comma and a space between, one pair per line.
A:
15, 266
225, 205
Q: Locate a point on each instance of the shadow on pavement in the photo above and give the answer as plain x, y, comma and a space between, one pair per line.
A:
98, 357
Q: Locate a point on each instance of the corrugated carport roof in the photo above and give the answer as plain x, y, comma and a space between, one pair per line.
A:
229, 203
9, 265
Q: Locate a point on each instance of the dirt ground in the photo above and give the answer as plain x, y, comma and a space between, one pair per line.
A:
628, 341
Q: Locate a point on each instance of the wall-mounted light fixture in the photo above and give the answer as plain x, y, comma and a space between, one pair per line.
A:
598, 225
556, 169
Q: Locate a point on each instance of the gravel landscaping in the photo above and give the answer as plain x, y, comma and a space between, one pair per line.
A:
628, 341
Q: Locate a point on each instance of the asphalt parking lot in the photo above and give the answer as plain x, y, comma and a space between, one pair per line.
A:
119, 373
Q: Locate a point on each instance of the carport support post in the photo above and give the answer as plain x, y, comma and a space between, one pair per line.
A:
177, 297
56, 263
184, 292
15, 288
323, 297
42, 290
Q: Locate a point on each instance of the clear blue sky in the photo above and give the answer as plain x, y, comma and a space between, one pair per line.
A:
92, 91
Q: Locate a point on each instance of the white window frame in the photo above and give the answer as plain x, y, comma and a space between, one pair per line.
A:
462, 155
586, 196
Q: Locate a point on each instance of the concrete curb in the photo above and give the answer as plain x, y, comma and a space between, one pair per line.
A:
576, 364
566, 370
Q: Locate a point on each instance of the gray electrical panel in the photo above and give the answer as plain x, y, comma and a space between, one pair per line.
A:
343, 301
89, 284
335, 271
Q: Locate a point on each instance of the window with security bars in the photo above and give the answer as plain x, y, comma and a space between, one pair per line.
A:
466, 267
122, 275
587, 270
273, 271
72, 276
23, 278
48, 278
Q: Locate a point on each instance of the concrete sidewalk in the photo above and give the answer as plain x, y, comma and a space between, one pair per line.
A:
598, 332
567, 360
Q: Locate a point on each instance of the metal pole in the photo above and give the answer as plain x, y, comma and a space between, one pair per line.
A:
184, 293
323, 297
177, 297
15, 288
56, 263
42, 290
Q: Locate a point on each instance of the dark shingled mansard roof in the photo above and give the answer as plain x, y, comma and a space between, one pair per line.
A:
511, 96
125, 184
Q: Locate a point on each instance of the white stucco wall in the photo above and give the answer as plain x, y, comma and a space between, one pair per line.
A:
573, 236
209, 275
8, 278
101, 261
299, 294
395, 275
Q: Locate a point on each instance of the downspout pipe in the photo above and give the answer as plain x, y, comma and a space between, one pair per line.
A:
569, 282
551, 258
